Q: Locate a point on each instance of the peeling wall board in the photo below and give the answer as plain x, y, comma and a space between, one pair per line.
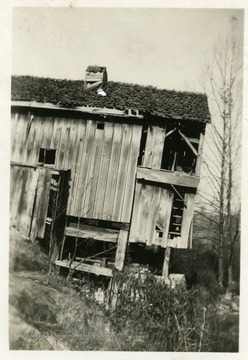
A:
121, 250
112, 172
92, 232
188, 212
131, 174
158, 148
122, 171
166, 177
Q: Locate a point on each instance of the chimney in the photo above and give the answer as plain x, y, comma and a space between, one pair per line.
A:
95, 76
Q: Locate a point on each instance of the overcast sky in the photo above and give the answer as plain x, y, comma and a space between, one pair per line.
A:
159, 47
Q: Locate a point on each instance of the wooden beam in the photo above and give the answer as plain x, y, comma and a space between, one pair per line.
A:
121, 250
93, 232
98, 270
167, 177
188, 143
83, 109
165, 270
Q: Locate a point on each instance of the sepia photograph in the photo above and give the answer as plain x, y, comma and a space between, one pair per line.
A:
125, 178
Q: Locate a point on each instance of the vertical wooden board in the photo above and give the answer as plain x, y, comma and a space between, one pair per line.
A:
199, 157
104, 170
56, 135
28, 201
158, 148
94, 173
151, 133
113, 172
30, 141
144, 213
37, 203
188, 212
154, 208
122, 171
23, 135
14, 124
82, 180
76, 165
121, 250
66, 143
15, 192
44, 203
62, 144
21, 198
91, 174
36, 144
19, 134
71, 144
164, 213
131, 174
135, 213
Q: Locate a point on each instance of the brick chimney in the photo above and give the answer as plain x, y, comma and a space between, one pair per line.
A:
95, 76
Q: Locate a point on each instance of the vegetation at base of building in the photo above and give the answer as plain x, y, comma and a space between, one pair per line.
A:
148, 316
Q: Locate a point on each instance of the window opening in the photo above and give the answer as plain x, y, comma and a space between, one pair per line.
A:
179, 153
100, 126
159, 230
177, 214
47, 156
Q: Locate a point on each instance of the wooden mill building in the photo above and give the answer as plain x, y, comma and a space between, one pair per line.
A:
106, 172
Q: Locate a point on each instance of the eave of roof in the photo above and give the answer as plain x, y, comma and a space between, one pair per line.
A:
70, 94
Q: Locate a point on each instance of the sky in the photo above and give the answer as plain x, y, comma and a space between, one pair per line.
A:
165, 48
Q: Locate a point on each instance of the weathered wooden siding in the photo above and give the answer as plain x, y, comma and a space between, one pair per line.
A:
102, 161
152, 206
30, 188
154, 147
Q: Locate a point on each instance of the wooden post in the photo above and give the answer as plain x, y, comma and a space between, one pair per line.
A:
165, 271
121, 250
199, 157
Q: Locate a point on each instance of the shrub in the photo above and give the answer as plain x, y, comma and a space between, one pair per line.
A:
157, 318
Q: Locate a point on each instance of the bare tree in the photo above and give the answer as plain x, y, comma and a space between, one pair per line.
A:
221, 197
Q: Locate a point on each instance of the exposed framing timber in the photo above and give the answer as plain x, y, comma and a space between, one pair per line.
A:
97, 270
92, 232
166, 177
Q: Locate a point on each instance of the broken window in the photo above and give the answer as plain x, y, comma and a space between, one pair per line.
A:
177, 214
179, 154
47, 156
159, 230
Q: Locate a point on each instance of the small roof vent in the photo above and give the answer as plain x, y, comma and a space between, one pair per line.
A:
95, 76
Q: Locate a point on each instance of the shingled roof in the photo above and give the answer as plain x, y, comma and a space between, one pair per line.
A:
169, 104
